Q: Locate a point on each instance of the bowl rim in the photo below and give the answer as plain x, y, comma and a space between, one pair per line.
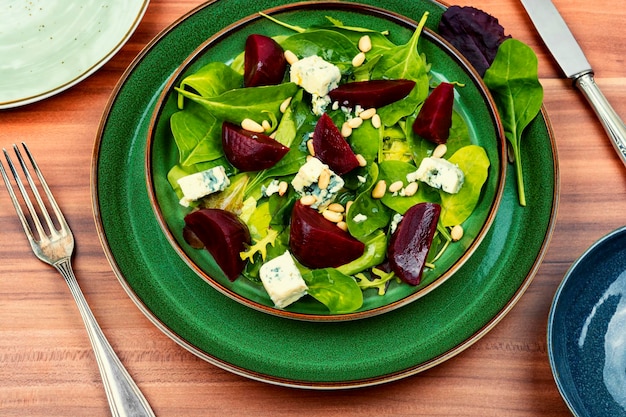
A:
398, 19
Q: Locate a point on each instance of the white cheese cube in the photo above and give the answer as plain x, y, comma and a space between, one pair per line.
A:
200, 184
282, 280
306, 183
317, 77
439, 173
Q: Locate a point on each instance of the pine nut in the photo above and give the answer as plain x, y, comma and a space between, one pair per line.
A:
309, 146
376, 122
332, 216
285, 104
410, 189
282, 188
308, 200
336, 207
358, 59
348, 204
324, 179
456, 233
380, 189
252, 126
355, 122
343, 226
346, 130
440, 151
266, 125
290, 57
365, 43
395, 186
361, 159
367, 114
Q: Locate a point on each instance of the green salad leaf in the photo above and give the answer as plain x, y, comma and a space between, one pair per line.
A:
514, 83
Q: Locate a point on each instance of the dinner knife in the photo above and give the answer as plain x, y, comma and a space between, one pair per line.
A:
570, 57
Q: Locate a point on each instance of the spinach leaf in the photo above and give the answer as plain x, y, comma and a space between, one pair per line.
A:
211, 80
374, 254
256, 103
456, 208
337, 291
405, 62
392, 171
197, 134
376, 214
514, 83
330, 45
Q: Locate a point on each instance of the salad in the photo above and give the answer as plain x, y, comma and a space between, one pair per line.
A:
324, 163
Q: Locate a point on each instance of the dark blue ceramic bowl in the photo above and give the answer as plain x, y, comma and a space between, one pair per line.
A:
587, 330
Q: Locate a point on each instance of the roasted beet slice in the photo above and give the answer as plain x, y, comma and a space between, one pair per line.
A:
264, 62
250, 151
222, 234
409, 245
435, 117
331, 148
319, 243
373, 93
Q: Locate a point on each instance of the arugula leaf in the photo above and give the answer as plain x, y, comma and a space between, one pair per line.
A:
514, 83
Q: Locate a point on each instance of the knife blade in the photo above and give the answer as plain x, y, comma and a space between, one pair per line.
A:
567, 52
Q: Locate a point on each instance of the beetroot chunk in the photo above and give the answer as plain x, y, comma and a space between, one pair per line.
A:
372, 93
331, 148
250, 151
319, 243
222, 234
435, 117
409, 245
264, 62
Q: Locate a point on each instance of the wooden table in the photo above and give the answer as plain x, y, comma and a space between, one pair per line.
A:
48, 368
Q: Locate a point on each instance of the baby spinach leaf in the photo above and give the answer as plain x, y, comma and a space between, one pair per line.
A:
245, 103
456, 208
330, 45
337, 291
211, 80
376, 214
392, 171
197, 134
374, 254
404, 62
513, 81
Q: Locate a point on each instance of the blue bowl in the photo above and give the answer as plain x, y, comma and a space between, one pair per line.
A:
587, 330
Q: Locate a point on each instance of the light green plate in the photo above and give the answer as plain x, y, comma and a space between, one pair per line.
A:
472, 101
49, 46
290, 352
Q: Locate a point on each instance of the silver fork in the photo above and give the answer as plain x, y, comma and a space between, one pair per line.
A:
54, 245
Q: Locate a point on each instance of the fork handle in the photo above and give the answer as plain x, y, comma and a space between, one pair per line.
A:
125, 398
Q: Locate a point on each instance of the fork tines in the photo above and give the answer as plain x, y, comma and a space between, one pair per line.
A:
35, 213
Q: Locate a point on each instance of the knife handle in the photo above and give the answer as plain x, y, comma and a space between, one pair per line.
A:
612, 123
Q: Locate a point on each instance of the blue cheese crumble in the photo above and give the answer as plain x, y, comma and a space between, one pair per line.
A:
439, 173
306, 183
282, 280
200, 184
317, 77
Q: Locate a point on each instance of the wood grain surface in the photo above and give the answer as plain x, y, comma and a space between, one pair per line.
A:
47, 365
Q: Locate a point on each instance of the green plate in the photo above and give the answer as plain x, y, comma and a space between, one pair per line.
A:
472, 101
320, 355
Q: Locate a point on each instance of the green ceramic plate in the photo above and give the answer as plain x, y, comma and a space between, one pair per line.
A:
228, 334
47, 47
472, 102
